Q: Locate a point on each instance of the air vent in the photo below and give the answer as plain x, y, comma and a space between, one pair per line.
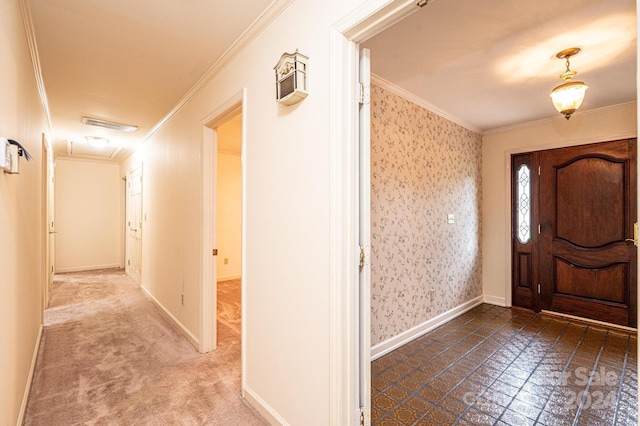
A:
87, 150
109, 124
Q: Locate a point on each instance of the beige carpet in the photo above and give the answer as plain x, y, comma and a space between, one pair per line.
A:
108, 357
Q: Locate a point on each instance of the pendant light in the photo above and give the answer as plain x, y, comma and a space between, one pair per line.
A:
568, 97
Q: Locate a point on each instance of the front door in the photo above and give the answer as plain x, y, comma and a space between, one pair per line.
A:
583, 260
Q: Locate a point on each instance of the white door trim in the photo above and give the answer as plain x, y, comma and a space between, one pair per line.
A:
356, 27
208, 287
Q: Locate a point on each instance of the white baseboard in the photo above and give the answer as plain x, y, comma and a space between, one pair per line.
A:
413, 333
494, 300
173, 320
229, 277
88, 268
263, 408
32, 370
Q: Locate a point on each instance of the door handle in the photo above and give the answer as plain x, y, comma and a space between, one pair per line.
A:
53, 232
635, 235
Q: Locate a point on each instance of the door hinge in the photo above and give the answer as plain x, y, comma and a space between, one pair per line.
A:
538, 170
363, 93
214, 252
365, 254
538, 288
361, 416
539, 228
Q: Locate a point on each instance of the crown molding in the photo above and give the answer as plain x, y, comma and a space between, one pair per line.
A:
405, 94
261, 22
27, 19
559, 118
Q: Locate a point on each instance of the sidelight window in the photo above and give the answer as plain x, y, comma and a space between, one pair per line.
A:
524, 204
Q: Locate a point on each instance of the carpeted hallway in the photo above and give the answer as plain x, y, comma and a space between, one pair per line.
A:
108, 357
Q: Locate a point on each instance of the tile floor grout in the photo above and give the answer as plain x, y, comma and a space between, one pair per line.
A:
519, 342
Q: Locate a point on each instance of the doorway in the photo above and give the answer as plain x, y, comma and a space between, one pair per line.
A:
223, 149
48, 222
228, 200
573, 214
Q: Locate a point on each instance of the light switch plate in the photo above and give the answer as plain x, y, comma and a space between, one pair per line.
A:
450, 218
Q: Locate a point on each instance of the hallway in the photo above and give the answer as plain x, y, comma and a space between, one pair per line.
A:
109, 357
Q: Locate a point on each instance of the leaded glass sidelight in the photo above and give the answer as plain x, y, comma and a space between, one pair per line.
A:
524, 204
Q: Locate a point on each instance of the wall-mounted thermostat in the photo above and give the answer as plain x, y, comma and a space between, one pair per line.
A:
291, 78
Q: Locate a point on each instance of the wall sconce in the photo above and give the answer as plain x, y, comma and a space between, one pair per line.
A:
568, 97
291, 78
10, 152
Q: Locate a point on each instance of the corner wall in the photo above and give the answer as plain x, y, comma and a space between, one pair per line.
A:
606, 124
423, 168
21, 218
88, 200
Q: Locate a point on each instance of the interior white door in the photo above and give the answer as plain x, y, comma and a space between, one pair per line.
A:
364, 288
133, 249
48, 222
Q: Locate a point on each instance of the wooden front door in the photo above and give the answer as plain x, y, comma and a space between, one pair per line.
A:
583, 205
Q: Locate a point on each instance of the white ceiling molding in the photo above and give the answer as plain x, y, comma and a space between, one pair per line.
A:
35, 60
560, 118
397, 90
263, 21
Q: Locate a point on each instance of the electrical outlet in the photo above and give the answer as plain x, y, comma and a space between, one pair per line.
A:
226, 260
432, 294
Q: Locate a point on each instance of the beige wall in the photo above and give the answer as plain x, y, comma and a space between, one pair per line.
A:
423, 168
584, 127
21, 220
287, 242
88, 200
229, 216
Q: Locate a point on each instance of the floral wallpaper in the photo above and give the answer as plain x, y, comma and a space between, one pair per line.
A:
423, 168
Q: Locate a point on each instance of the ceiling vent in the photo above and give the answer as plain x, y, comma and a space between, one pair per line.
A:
95, 151
109, 124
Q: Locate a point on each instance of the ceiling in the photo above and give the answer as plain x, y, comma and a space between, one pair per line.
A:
487, 64
128, 61
491, 63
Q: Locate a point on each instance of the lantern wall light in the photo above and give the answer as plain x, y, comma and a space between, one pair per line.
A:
291, 78
568, 97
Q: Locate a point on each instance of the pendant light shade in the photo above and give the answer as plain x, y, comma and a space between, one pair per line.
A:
568, 97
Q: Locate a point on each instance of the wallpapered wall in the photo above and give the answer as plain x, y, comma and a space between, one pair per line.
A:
423, 167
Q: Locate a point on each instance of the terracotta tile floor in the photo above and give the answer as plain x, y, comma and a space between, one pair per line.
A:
500, 366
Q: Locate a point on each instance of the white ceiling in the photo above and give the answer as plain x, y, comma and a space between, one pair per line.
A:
487, 63
492, 63
129, 61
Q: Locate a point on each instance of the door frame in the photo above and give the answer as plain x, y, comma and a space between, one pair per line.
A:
346, 35
208, 288
536, 208
507, 207
48, 221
